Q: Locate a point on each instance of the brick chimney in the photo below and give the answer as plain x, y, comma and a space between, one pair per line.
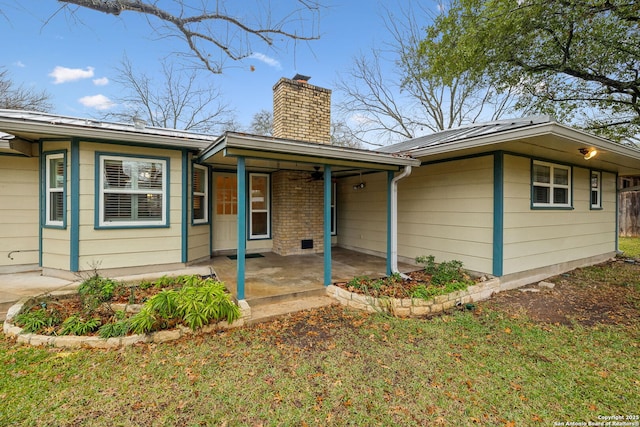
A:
301, 111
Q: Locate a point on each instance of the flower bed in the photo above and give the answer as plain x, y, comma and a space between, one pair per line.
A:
111, 313
433, 289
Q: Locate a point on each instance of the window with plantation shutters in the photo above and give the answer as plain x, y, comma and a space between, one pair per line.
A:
133, 191
55, 189
200, 194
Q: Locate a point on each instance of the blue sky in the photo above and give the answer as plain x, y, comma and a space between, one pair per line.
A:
73, 56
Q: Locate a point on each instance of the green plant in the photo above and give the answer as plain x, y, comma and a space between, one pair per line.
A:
77, 325
143, 321
445, 272
206, 301
119, 328
429, 262
196, 305
37, 320
164, 303
358, 282
96, 290
448, 272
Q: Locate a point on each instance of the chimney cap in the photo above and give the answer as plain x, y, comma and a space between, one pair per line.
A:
301, 78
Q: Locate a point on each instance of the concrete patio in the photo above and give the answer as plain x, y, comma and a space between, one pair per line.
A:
271, 277
274, 284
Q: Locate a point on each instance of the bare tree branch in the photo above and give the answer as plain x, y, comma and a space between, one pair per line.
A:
178, 102
19, 97
398, 104
218, 28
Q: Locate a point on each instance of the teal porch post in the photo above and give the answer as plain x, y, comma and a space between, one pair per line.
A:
390, 176
327, 225
498, 213
74, 231
185, 208
242, 227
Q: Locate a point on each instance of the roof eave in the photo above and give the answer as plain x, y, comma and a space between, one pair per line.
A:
253, 142
261, 145
62, 130
552, 128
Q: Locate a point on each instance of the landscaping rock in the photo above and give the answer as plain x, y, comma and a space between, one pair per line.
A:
529, 290
547, 285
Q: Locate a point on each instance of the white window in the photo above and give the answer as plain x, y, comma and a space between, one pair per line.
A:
200, 194
551, 185
132, 191
259, 206
55, 186
596, 190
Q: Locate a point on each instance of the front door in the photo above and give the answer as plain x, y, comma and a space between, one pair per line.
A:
225, 211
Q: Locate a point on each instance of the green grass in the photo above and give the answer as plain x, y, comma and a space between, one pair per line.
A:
630, 246
335, 367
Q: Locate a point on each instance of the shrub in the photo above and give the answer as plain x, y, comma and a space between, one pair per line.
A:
445, 272
429, 263
96, 290
195, 304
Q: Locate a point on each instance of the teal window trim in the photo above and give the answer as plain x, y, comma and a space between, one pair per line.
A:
598, 176
552, 186
47, 156
99, 224
205, 195
250, 209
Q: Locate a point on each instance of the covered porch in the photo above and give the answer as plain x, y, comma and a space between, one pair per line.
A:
294, 207
270, 277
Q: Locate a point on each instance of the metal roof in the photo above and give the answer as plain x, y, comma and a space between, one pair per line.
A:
47, 123
464, 132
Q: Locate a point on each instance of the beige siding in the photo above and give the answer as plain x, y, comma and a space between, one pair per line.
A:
120, 248
19, 209
538, 238
362, 214
445, 210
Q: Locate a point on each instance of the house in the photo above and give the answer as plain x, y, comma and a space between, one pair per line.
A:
516, 199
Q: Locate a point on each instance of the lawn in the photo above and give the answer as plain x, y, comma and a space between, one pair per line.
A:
338, 367
630, 246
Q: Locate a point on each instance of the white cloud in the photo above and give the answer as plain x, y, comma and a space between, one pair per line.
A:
102, 81
267, 60
99, 102
19, 64
64, 74
360, 119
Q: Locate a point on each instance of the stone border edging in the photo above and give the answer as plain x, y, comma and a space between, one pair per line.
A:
415, 307
74, 341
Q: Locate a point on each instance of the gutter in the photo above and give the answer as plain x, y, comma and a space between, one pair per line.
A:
394, 220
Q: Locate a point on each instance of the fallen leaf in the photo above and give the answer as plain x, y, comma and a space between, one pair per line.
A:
507, 330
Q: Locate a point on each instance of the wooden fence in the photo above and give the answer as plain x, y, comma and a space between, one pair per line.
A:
629, 214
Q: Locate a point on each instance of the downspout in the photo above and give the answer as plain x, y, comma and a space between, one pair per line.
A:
394, 219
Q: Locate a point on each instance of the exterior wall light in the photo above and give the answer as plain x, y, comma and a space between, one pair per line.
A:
588, 154
360, 186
